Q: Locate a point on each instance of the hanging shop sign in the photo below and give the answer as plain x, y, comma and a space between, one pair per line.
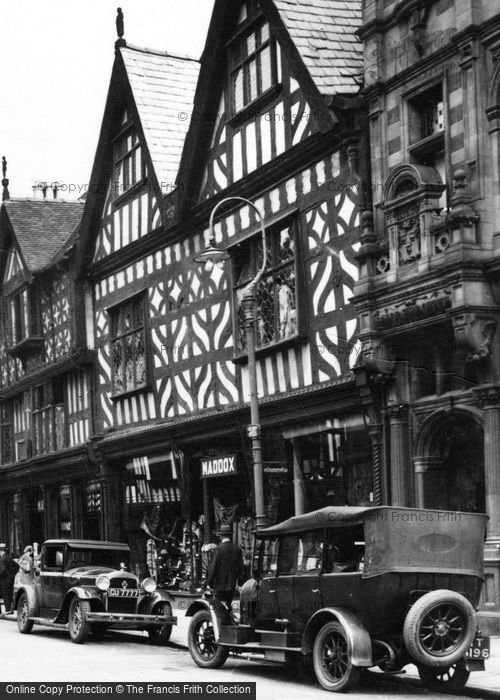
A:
275, 469
218, 466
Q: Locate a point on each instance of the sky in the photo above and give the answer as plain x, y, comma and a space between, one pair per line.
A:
55, 65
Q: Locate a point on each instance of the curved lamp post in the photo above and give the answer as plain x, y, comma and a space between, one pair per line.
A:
209, 257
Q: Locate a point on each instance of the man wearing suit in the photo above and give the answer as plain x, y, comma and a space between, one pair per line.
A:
8, 570
226, 568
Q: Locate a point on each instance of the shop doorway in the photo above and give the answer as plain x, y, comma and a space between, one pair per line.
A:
453, 444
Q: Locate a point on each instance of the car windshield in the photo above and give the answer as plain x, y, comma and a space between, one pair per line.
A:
97, 557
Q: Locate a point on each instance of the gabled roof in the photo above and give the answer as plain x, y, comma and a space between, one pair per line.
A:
323, 32
163, 88
42, 228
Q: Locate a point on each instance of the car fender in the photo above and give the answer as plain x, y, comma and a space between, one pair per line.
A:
32, 595
147, 603
218, 611
76, 592
360, 644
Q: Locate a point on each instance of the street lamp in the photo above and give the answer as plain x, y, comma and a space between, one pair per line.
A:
209, 257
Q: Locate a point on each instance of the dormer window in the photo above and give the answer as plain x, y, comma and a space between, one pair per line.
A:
128, 164
253, 65
19, 316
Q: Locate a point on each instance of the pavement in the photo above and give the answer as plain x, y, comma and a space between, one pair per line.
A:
482, 684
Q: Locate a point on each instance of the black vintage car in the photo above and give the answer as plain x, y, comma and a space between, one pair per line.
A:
352, 588
84, 586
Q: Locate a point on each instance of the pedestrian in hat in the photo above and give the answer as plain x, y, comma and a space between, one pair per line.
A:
8, 571
226, 569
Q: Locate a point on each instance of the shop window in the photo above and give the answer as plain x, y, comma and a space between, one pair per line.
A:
276, 311
49, 417
152, 480
252, 62
65, 511
128, 162
128, 345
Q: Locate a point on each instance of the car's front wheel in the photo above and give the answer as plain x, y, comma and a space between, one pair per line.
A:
445, 680
439, 628
77, 620
25, 625
332, 659
203, 648
160, 634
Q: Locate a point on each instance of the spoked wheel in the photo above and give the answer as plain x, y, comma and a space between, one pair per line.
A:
201, 641
24, 624
439, 628
160, 634
444, 680
331, 659
77, 619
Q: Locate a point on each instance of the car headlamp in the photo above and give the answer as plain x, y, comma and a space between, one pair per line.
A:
149, 585
102, 582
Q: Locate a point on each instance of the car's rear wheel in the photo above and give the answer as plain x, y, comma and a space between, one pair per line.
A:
77, 620
201, 641
439, 628
98, 629
160, 634
332, 659
24, 623
445, 680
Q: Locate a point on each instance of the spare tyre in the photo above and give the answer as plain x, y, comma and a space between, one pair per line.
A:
439, 628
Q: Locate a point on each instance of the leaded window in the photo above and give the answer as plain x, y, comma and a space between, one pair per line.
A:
7, 436
49, 418
128, 345
128, 164
276, 293
19, 316
252, 65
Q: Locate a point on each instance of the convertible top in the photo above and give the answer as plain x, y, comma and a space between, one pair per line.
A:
343, 516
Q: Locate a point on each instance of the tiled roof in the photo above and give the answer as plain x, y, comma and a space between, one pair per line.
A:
163, 87
42, 227
323, 32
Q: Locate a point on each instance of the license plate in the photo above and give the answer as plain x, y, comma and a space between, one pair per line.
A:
479, 649
123, 592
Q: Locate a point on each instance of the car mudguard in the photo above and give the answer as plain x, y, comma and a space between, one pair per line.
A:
360, 644
147, 602
218, 611
78, 592
32, 595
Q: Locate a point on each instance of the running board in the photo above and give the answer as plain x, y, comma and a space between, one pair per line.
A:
257, 646
49, 623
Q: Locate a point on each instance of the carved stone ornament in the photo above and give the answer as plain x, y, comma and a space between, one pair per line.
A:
487, 396
475, 335
412, 310
409, 236
379, 367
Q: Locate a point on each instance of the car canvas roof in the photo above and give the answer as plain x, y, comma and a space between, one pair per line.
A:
90, 544
343, 516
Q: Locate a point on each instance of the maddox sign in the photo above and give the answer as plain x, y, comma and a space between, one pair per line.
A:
218, 466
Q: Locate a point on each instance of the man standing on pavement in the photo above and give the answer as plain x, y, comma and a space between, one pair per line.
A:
226, 568
8, 571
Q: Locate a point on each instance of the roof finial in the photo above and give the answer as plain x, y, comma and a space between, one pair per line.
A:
120, 28
5, 181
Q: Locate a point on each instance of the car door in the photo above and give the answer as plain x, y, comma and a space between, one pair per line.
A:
51, 579
341, 578
267, 606
306, 581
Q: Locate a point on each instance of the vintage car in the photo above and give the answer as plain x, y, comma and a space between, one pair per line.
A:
352, 588
84, 586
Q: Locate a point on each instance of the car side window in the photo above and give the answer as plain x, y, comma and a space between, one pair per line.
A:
288, 555
268, 556
344, 550
310, 552
53, 559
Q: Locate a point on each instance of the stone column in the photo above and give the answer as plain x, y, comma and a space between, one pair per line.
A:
299, 491
421, 466
398, 426
489, 399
